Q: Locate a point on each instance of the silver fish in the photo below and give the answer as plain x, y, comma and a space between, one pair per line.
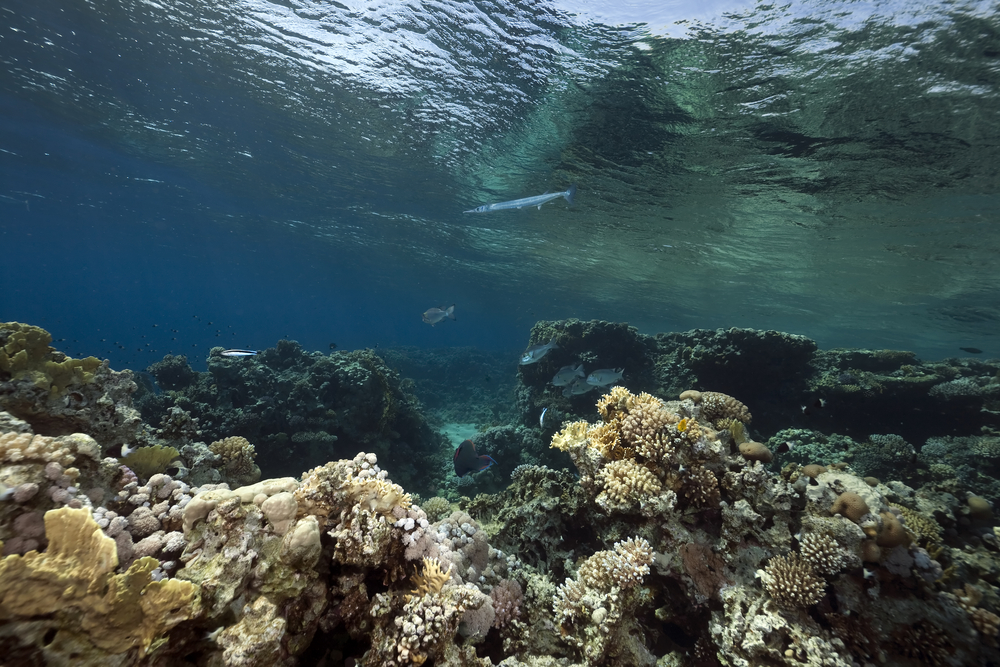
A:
567, 374
238, 353
536, 352
605, 376
537, 200
541, 420
577, 387
434, 315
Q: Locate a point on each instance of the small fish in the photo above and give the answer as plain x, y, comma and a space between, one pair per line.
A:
333, 346
567, 374
466, 459
786, 446
534, 353
541, 420
577, 387
605, 376
238, 353
434, 315
971, 350
537, 200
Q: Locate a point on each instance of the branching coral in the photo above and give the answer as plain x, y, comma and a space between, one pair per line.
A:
432, 579
791, 582
716, 406
591, 609
238, 459
822, 553
626, 484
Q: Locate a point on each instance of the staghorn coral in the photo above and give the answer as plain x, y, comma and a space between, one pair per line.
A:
86, 605
237, 456
791, 582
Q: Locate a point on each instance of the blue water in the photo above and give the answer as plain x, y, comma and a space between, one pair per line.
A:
247, 171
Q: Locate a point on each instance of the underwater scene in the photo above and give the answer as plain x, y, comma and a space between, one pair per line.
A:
563, 333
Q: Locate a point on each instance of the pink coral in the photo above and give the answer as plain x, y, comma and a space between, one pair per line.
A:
507, 598
25, 492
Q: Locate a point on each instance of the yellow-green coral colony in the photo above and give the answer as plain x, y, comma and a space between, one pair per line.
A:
27, 354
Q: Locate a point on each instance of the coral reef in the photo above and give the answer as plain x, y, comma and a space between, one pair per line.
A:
299, 410
733, 520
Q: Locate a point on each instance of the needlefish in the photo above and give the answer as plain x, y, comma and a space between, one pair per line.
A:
537, 200
238, 353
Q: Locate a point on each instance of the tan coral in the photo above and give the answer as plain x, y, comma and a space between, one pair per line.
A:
626, 484
822, 552
791, 582
645, 420
64, 449
717, 406
700, 487
237, 456
73, 581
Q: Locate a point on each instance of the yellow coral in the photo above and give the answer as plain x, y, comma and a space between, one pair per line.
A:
606, 438
73, 581
148, 461
572, 437
379, 495
432, 579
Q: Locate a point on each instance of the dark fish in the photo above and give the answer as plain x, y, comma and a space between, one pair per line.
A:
971, 350
466, 459
333, 346
238, 353
784, 447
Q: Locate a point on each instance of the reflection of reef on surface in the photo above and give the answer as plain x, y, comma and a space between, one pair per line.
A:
678, 535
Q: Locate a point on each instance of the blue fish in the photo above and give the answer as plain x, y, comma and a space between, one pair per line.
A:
238, 353
537, 200
466, 459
